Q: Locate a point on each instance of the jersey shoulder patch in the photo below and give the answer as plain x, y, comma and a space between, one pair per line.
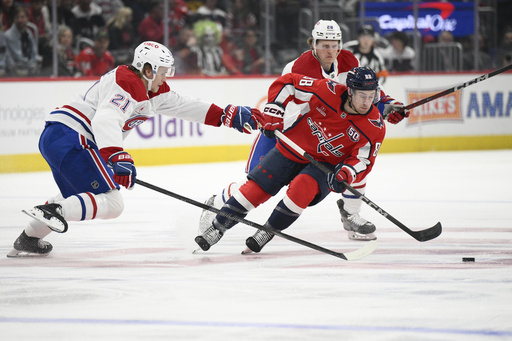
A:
131, 83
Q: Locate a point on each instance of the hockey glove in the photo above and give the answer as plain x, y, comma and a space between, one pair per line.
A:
272, 119
242, 118
341, 175
124, 169
392, 110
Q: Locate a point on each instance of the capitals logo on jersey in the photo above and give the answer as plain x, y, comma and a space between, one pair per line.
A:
326, 145
378, 122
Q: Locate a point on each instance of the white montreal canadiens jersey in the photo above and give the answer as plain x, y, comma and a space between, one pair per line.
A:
118, 102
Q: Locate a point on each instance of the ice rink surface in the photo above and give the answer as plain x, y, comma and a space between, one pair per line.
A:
136, 278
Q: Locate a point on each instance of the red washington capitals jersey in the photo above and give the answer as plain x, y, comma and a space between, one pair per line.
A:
314, 119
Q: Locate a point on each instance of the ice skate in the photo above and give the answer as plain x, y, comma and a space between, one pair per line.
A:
51, 215
205, 221
256, 242
30, 246
356, 226
210, 237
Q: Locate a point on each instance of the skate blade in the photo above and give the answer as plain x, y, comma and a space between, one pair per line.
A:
247, 251
361, 237
53, 224
24, 254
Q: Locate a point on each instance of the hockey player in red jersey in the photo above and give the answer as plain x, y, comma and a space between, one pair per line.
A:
83, 141
325, 60
336, 124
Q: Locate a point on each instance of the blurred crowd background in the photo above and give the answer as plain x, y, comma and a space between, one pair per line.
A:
229, 37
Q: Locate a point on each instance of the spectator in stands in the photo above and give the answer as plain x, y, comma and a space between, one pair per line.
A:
210, 11
89, 20
152, 27
65, 14
22, 45
95, 60
399, 55
505, 49
122, 36
109, 8
178, 17
254, 61
37, 17
65, 54
185, 59
364, 50
240, 18
484, 60
232, 56
140, 9
5, 58
209, 53
7, 13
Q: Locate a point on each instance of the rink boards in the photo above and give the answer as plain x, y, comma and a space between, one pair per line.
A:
477, 117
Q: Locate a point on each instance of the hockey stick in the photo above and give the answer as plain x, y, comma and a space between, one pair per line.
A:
367, 249
422, 235
456, 88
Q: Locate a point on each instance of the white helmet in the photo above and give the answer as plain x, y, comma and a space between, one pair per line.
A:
326, 30
155, 54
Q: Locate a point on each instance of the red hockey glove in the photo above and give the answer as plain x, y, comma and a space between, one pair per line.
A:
242, 118
395, 112
124, 169
272, 119
337, 179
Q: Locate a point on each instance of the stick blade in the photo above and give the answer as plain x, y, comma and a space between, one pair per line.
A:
429, 234
362, 252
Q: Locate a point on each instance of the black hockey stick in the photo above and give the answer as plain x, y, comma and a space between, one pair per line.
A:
422, 235
456, 88
367, 249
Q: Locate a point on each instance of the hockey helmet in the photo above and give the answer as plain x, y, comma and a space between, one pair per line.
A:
156, 55
326, 30
362, 78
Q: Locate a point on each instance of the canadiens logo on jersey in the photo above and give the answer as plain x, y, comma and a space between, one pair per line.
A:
378, 122
133, 122
326, 145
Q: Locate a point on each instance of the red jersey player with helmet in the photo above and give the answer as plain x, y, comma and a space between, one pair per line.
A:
338, 125
325, 60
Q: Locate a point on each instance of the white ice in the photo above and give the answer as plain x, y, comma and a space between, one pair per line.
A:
135, 277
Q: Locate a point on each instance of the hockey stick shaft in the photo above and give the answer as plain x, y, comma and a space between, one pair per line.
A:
457, 87
422, 235
358, 254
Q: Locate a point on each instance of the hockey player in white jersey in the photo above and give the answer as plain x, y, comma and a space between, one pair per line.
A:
83, 142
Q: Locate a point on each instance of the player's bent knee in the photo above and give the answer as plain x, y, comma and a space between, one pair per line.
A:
302, 190
110, 204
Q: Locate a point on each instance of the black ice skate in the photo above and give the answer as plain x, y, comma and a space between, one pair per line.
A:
210, 237
357, 227
51, 215
258, 240
30, 246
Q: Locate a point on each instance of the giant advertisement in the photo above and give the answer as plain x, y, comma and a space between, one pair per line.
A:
433, 17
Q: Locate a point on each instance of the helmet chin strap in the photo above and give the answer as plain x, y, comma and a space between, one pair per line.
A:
150, 81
